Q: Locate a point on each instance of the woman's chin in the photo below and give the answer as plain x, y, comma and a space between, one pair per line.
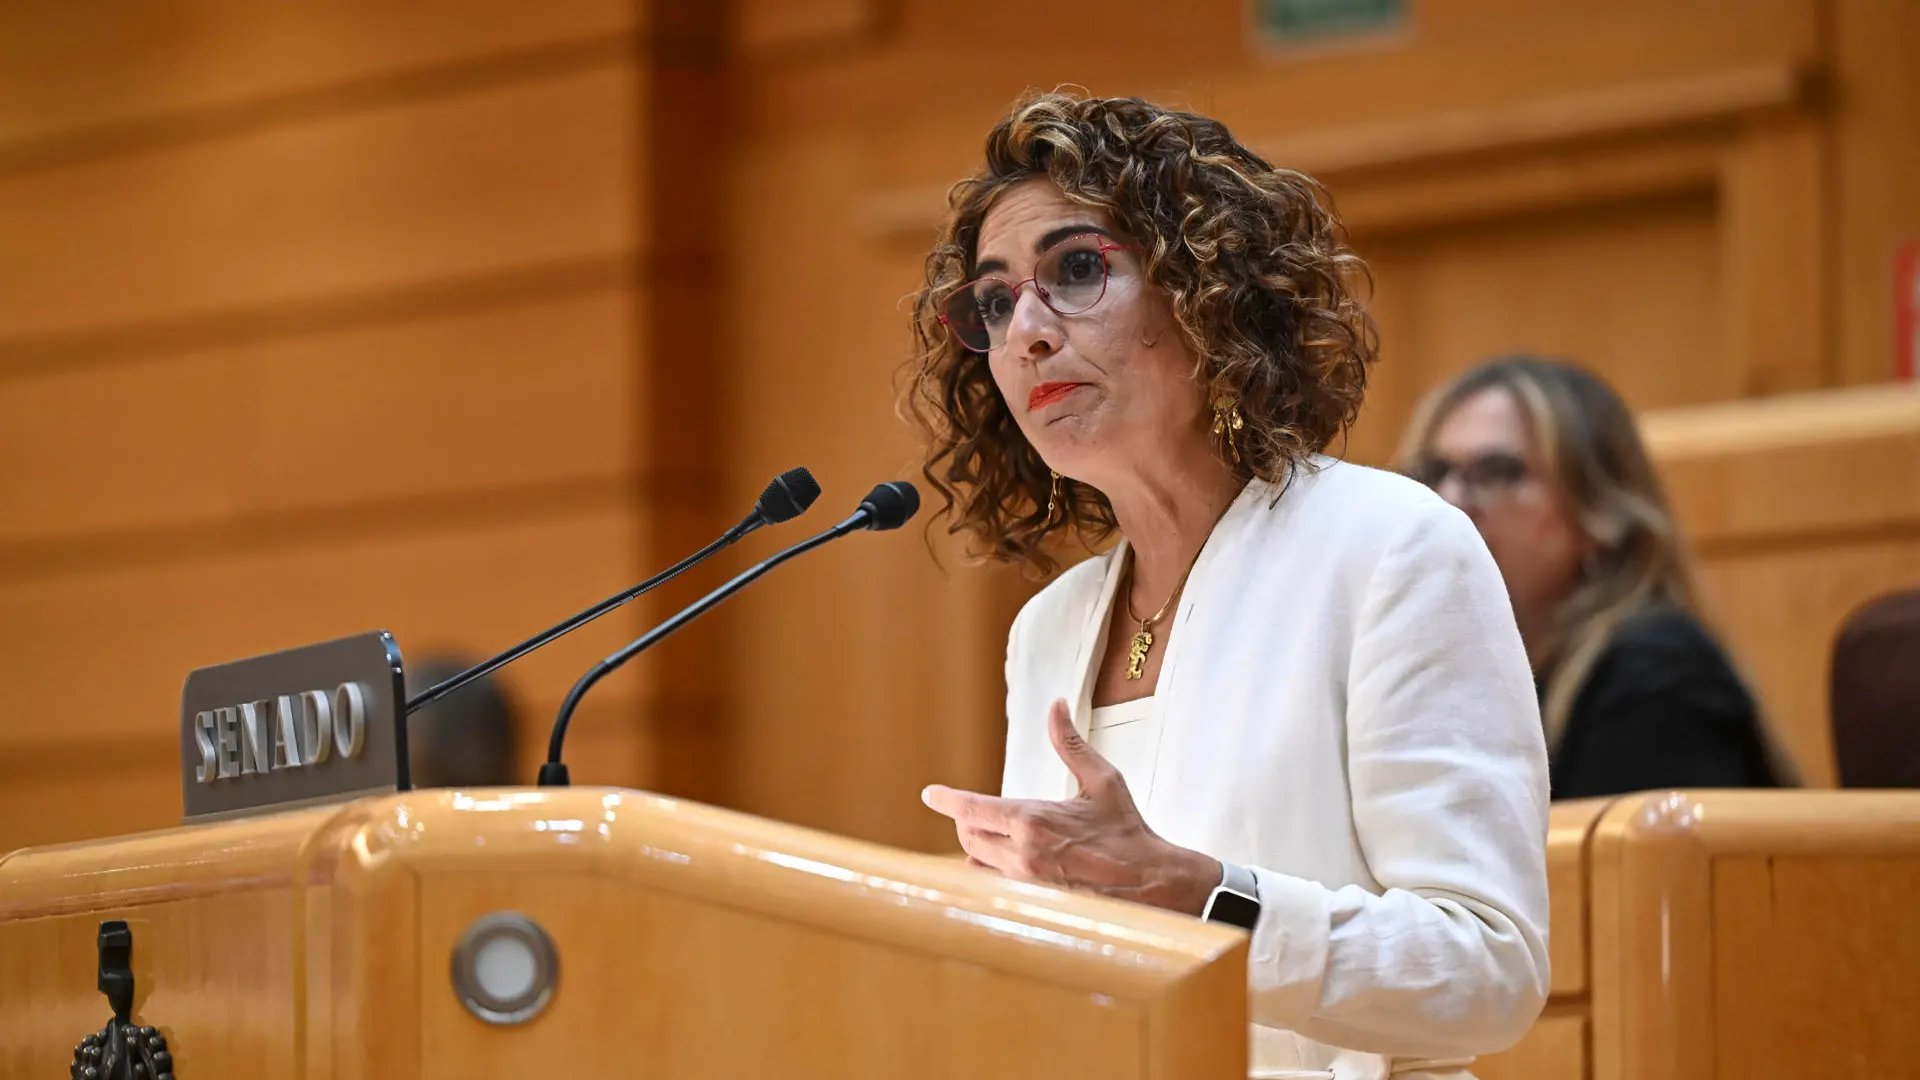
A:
1068, 442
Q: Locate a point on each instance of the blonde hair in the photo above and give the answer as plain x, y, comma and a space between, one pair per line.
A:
1593, 456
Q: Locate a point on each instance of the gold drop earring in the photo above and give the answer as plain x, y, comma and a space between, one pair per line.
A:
1227, 423
1053, 496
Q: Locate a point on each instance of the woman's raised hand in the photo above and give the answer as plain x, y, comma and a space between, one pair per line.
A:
1096, 841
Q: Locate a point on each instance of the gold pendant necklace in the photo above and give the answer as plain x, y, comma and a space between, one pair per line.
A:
1142, 643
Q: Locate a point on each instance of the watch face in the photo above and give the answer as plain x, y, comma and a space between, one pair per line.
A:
1233, 909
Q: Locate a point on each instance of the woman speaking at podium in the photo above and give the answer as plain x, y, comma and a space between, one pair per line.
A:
1292, 695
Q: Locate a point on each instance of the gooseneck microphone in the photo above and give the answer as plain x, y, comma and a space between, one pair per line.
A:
786, 498
885, 507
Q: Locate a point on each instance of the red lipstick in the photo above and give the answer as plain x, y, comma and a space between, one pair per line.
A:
1049, 392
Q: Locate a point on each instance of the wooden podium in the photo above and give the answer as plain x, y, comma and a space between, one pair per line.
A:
685, 942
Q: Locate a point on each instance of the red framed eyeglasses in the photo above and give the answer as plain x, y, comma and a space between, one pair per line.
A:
1070, 277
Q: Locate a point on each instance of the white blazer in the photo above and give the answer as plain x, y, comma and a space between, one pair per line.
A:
1347, 709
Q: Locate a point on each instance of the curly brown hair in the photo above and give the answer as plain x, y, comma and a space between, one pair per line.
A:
1265, 290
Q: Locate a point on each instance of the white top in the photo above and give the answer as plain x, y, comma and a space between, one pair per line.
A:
1345, 707
1127, 734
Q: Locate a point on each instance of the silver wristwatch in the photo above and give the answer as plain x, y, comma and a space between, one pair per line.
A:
1236, 900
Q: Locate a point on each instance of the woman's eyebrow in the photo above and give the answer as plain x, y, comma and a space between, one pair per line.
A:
1050, 238
1065, 232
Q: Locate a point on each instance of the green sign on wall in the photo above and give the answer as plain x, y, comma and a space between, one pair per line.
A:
1309, 20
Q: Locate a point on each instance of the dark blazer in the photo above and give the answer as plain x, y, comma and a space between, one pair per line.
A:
1661, 708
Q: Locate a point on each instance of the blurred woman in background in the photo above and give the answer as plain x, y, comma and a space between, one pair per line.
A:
1635, 691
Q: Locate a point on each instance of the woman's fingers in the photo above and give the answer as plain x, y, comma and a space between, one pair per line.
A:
974, 810
989, 850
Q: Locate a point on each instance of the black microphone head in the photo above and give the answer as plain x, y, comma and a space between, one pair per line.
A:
787, 497
889, 505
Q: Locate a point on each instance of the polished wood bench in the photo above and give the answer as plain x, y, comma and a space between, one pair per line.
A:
1738, 934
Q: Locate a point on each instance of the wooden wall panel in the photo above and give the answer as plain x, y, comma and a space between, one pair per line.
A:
1481, 54
1462, 54
766, 30
523, 174
688, 144
72, 67
507, 396
120, 447
1876, 169
1761, 474
1775, 304
317, 319
1802, 507
1580, 176
1629, 288
104, 652
49, 805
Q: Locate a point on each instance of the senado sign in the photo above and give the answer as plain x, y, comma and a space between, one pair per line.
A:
312, 724
292, 731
